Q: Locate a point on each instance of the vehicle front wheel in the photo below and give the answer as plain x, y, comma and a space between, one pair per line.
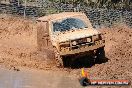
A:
100, 55
58, 58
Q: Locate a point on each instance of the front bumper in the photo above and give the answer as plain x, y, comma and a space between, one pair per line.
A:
84, 48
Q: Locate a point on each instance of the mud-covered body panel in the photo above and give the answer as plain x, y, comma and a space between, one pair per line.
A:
76, 35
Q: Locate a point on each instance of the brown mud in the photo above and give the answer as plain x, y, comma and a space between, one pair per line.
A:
18, 48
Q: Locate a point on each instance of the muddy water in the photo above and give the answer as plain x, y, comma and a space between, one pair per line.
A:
36, 79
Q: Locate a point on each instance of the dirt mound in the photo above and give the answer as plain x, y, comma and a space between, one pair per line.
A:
18, 43
119, 52
18, 47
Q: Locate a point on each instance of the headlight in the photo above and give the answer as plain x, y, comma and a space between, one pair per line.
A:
89, 40
74, 43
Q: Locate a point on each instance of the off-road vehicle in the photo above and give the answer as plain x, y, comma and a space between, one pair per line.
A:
69, 34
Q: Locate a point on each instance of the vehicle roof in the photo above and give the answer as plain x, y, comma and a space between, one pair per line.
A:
59, 16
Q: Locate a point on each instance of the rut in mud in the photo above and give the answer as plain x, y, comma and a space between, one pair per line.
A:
18, 48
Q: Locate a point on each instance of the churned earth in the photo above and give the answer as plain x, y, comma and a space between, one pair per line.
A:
18, 50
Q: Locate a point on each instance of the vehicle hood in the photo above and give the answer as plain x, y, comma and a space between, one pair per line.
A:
76, 35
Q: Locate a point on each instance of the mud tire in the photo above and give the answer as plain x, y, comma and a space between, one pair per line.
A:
100, 55
58, 58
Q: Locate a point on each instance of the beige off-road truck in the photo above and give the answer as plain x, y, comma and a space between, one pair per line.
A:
69, 34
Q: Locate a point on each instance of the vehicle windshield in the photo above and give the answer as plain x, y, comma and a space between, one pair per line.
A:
68, 24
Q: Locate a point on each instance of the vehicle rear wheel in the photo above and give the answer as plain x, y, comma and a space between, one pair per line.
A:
100, 55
